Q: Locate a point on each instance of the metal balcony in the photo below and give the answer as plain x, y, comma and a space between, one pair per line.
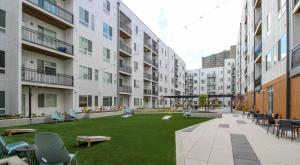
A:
147, 60
147, 92
147, 76
257, 21
155, 64
296, 57
125, 89
35, 76
126, 31
258, 50
125, 48
125, 69
155, 48
147, 44
155, 78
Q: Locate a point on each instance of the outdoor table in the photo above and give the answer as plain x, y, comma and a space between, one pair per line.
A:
28, 153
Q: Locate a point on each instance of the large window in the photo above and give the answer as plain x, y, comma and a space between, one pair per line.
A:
282, 48
107, 78
85, 101
136, 66
2, 102
136, 84
85, 46
2, 61
96, 75
93, 22
46, 67
269, 60
2, 20
47, 100
106, 6
270, 99
83, 16
107, 31
107, 101
136, 102
85, 73
106, 54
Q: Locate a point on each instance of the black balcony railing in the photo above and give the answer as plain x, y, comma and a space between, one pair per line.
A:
125, 48
257, 81
155, 93
126, 69
258, 50
125, 89
147, 92
155, 48
258, 16
32, 75
155, 78
147, 76
296, 57
155, 64
147, 44
125, 28
52, 8
147, 60
46, 41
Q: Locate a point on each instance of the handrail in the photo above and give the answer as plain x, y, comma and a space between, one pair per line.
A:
125, 48
126, 28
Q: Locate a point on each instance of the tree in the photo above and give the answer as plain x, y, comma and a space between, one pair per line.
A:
202, 99
146, 100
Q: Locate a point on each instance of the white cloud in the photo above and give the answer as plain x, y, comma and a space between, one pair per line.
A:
177, 23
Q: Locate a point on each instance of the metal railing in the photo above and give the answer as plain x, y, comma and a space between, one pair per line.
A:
155, 64
147, 76
125, 48
125, 89
147, 60
155, 48
296, 57
126, 28
46, 41
155, 78
126, 69
258, 16
146, 43
53, 9
147, 92
155, 93
258, 50
33, 75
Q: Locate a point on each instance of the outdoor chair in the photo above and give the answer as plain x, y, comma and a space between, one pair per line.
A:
72, 114
128, 111
188, 113
271, 123
57, 117
50, 149
7, 149
254, 115
285, 126
260, 118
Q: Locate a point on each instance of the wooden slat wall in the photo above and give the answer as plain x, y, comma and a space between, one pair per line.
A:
295, 97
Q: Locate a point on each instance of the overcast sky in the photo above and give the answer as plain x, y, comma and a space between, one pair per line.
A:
177, 23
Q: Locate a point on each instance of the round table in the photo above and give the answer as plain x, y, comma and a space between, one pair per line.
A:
27, 152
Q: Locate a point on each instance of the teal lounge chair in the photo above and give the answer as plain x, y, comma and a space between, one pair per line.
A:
128, 111
7, 149
50, 149
72, 114
57, 117
188, 113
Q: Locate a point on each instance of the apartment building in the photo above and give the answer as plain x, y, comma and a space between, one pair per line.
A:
57, 55
217, 60
212, 81
268, 57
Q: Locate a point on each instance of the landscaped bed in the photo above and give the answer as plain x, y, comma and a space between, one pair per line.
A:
141, 139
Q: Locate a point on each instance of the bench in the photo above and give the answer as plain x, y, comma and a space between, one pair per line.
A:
90, 139
12, 131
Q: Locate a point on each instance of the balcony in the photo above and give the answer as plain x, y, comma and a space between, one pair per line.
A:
258, 50
147, 60
147, 92
296, 57
257, 81
125, 50
258, 22
125, 31
35, 76
147, 76
155, 78
41, 43
211, 75
147, 46
154, 92
125, 69
155, 64
155, 49
125, 89
49, 12
296, 7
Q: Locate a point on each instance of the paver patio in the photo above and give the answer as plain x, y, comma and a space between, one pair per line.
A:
234, 140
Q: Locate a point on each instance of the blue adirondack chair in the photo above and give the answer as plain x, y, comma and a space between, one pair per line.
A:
57, 117
128, 111
72, 114
9, 148
188, 113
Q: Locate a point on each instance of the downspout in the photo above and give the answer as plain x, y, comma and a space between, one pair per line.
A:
288, 110
118, 54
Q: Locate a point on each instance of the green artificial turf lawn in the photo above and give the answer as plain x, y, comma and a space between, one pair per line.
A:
141, 139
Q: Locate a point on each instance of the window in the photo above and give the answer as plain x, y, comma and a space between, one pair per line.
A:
85, 46
268, 23
46, 67
93, 22
107, 31
106, 6
2, 102
269, 61
166, 90
107, 101
96, 75
136, 66
85, 101
136, 30
83, 17
47, 100
160, 89
228, 87
270, 99
195, 81
134, 46
136, 101
2, 62
96, 101
2, 20
136, 84
85, 73
106, 54
282, 48
107, 77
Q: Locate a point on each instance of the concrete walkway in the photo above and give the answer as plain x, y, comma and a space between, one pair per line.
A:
233, 140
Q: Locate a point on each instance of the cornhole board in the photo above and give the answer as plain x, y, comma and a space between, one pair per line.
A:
12, 131
126, 116
90, 139
167, 117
